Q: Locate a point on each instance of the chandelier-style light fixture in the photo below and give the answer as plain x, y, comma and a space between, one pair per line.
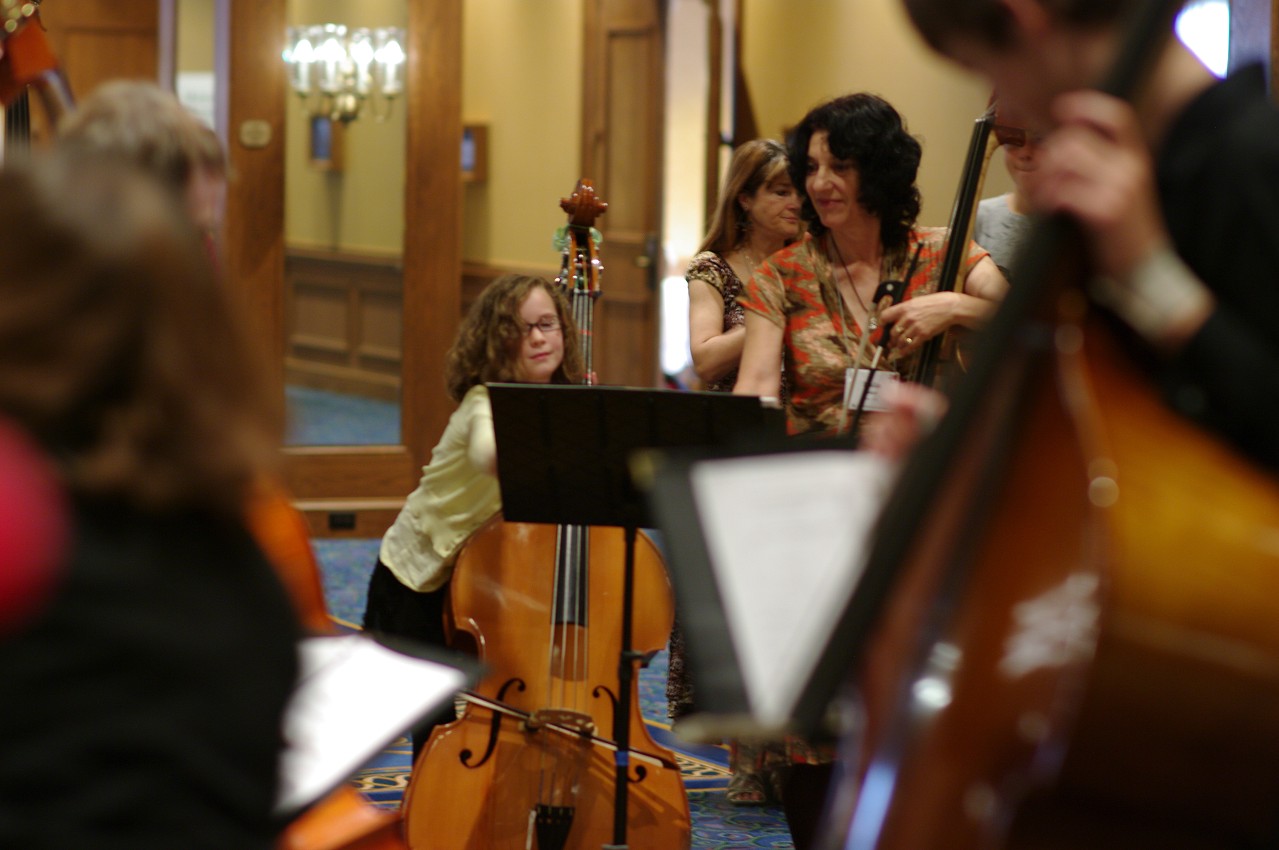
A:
336, 70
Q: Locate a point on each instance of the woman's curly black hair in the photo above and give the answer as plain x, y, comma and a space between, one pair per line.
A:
866, 130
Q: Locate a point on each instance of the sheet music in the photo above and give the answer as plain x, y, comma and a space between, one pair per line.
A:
354, 696
787, 536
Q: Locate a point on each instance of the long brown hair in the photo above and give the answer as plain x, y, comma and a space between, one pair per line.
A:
487, 344
756, 163
121, 354
142, 124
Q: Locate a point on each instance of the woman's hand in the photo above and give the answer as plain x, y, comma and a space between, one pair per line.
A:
913, 411
917, 320
1096, 167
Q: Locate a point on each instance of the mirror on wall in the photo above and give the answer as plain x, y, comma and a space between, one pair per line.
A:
344, 221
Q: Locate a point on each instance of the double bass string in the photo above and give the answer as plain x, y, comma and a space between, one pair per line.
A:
569, 650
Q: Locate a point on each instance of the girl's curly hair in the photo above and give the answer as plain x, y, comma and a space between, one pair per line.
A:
866, 130
488, 342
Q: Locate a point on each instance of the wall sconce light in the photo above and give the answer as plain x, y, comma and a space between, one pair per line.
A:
335, 71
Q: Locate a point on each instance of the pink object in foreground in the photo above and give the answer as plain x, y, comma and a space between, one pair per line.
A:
33, 528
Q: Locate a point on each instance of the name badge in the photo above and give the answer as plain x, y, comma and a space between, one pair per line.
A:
855, 381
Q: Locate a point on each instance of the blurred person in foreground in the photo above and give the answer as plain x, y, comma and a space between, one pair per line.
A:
144, 700
1178, 198
144, 126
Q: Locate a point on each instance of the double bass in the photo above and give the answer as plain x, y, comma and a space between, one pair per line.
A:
1069, 650
27, 62
547, 753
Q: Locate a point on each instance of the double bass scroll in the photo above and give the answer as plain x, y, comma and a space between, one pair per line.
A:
580, 269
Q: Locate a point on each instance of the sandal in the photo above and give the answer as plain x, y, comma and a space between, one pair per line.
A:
747, 789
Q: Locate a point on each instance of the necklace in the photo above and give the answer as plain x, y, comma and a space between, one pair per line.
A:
871, 322
751, 260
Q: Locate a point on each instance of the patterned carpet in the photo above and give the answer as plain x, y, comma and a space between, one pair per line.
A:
320, 418
717, 825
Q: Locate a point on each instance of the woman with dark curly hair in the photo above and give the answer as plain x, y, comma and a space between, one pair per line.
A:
808, 305
520, 329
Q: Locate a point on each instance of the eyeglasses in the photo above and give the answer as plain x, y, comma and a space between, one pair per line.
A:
546, 326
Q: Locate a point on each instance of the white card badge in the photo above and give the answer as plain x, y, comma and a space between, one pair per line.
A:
855, 386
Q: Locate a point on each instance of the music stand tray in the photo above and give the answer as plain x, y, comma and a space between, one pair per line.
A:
564, 450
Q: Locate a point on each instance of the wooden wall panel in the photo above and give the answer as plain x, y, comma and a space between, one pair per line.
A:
100, 40
344, 323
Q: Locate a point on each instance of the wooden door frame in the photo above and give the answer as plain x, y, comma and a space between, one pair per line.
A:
352, 490
594, 162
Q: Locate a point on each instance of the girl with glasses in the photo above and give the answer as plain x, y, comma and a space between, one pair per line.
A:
520, 329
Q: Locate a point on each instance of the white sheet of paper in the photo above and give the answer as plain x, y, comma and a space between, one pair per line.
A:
787, 536
353, 697
855, 385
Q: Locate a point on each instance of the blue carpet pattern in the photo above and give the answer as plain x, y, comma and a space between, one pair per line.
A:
717, 824
320, 418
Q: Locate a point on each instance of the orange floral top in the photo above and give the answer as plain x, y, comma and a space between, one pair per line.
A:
794, 290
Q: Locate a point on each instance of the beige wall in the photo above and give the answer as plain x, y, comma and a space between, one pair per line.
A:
195, 35
799, 53
521, 76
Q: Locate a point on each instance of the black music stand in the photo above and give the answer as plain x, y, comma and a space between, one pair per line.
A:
563, 458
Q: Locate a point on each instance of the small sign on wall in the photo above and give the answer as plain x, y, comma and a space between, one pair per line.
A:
196, 90
474, 153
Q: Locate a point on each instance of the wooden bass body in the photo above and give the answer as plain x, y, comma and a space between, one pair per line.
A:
1108, 675
539, 731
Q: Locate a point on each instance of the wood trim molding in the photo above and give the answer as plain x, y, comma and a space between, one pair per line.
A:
354, 258
355, 472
